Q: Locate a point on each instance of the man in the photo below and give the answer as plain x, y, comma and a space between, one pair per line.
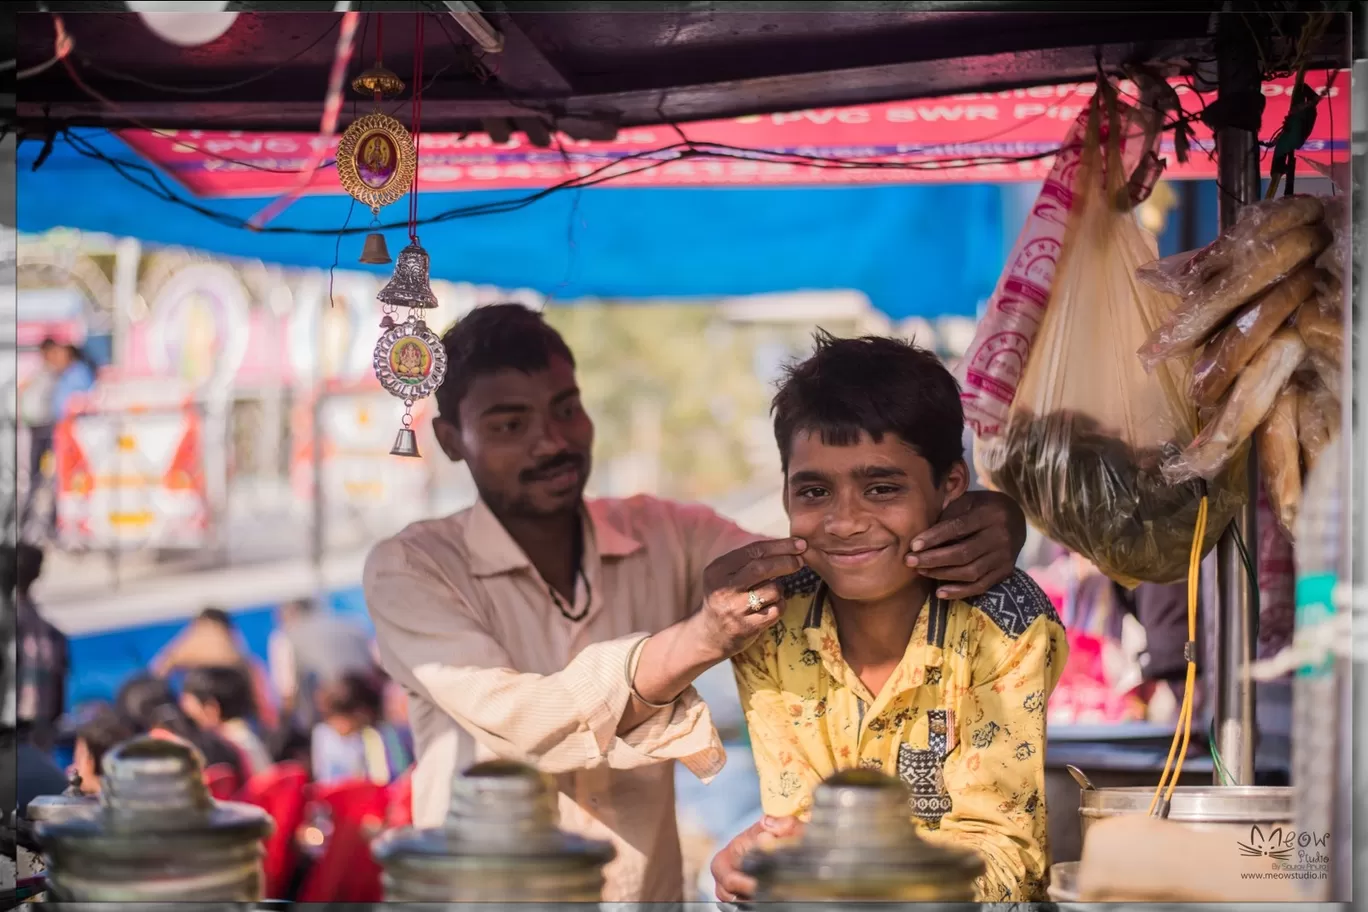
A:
66, 373
877, 667
41, 669
312, 649
540, 626
212, 640
36, 694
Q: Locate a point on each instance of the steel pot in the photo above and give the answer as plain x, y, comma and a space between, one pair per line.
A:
862, 846
500, 844
158, 836
1237, 808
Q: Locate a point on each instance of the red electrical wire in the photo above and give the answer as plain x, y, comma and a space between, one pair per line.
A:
417, 124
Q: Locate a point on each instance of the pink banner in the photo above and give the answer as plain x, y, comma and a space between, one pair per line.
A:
934, 132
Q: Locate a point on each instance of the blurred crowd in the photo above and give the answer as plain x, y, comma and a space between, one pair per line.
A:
317, 720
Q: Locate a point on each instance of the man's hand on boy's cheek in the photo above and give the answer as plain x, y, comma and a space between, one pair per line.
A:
973, 547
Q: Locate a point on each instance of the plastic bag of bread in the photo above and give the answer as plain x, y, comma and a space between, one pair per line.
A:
1337, 258
1280, 457
1089, 429
1249, 402
1268, 243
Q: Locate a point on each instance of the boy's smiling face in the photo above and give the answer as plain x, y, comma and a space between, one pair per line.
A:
859, 507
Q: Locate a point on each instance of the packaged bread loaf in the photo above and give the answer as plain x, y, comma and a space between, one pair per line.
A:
1320, 322
1279, 449
1318, 420
1187, 273
1235, 345
1250, 400
1337, 257
1251, 269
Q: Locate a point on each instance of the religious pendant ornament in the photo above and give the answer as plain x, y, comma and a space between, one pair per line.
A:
376, 161
376, 156
409, 361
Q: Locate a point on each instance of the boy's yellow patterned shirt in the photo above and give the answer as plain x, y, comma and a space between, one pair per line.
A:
961, 721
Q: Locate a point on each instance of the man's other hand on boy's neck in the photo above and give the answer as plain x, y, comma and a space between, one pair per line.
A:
874, 635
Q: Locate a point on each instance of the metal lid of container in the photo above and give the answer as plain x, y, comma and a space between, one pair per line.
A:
501, 812
862, 831
155, 788
71, 803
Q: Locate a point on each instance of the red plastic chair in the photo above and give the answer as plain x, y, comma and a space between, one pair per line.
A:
400, 795
354, 813
282, 792
222, 781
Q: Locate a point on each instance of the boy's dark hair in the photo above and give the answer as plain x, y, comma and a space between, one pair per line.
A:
493, 338
217, 616
873, 384
103, 730
353, 693
227, 687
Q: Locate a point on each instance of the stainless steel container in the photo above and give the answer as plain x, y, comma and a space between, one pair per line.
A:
1236, 808
71, 804
1063, 886
158, 836
500, 844
862, 846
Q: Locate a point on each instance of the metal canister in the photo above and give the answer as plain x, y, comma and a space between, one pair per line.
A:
499, 844
862, 846
158, 836
72, 803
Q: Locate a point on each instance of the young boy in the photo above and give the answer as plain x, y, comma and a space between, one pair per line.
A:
219, 700
353, 741
868, 667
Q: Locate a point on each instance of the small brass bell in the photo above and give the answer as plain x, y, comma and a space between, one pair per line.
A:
410, 286
406, 444
375, 252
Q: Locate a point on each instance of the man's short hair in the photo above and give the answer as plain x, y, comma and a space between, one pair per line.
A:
226, 687
493, 338
875, 385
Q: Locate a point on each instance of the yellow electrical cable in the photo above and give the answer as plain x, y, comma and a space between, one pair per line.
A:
1182, 735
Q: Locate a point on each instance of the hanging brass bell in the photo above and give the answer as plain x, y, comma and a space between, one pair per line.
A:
375, 252
406, 444
410, 286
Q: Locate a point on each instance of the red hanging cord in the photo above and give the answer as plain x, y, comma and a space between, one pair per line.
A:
417, 125
379, 50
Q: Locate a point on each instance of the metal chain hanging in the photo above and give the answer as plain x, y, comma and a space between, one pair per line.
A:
376, 157
410, 361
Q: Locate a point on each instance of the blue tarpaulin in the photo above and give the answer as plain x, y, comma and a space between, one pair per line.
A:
915, 250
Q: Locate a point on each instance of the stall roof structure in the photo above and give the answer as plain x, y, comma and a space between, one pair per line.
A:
592, 66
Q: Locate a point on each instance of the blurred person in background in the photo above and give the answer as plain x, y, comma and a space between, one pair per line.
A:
149, 705
66, 372
41, 649
103, 729
219, 700
35, 685
212, 640
311, 648
353, 741
543, 627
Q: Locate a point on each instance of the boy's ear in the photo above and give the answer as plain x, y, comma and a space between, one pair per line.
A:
955, 484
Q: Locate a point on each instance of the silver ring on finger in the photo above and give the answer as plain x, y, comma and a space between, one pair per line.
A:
754, 602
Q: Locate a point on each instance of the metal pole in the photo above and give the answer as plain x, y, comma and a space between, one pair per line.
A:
1237, 152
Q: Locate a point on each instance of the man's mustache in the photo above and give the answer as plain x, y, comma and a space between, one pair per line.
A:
551, 466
